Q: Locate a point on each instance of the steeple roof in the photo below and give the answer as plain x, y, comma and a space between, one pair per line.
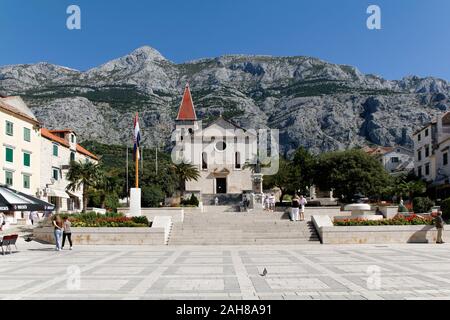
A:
187, 110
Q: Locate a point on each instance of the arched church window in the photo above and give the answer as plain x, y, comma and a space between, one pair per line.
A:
237, 160
204, 161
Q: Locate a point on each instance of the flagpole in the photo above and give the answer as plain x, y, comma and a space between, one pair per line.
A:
137, 161
128, 191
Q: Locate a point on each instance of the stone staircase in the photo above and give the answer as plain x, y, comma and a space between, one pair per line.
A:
221, 225
225, 199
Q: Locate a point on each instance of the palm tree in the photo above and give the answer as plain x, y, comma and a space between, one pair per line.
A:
83, 174
185, 172
108, 184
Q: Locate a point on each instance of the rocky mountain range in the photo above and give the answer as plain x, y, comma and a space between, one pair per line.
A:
316, 104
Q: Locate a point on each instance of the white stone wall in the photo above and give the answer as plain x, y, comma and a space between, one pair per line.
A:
238, 179
400, 153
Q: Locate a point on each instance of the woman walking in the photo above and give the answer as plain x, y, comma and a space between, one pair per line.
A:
59, 226
67, 233
303, 202
294, 208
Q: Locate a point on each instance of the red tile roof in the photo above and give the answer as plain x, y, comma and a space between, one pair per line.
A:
49, 135
377, 150
62, 131
187, 111
82, 150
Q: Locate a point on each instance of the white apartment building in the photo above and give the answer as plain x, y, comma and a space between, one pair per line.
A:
58, 149
20, 144
394, 159
35, 160
431, 147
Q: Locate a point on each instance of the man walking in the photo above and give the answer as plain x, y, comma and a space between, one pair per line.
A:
439, 223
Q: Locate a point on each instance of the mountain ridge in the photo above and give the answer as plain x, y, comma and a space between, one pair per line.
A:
316, 104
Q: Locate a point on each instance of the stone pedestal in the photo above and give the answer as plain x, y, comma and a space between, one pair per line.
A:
257, 195
357, 209
135, 202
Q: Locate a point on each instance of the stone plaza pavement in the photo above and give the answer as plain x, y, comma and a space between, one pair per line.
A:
410, 271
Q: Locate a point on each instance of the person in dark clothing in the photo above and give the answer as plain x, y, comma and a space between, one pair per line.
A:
67, 233
439, 223
295, 208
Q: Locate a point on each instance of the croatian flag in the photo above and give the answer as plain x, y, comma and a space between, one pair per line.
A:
136, 138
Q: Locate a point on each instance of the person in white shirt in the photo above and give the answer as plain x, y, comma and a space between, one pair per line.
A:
303, 202
272, 202
266, 202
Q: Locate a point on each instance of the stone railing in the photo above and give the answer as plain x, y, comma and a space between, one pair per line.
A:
330, 234
107, 236
177, 214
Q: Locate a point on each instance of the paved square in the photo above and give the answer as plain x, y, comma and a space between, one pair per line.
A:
347, 272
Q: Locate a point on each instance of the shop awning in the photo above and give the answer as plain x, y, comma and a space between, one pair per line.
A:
12, 200
57, 193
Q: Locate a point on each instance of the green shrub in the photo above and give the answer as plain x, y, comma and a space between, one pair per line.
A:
397, 220
422, 204
112, 202
152, 196
140, 220
191, 202
445, 208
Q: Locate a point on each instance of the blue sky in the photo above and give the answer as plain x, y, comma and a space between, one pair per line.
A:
414, 38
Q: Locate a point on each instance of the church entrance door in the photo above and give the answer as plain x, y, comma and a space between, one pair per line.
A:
221, 185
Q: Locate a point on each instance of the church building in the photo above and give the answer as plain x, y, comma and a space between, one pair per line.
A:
220, 152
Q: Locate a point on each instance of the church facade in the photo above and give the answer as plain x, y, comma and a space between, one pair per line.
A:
220, 152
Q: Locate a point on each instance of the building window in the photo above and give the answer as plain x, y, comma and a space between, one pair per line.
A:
445, 158
9, 178
72, 138
26, 134
9, 128
426, 132
419, 171
247, 140
418, 137
55, 150
419, 155
72, 156
9, 155
26, 181
394, 160
26, 159
55, 173
427, 151
427, 169
237, 160
204, 161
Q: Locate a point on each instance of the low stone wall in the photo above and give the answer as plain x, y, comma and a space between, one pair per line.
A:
330, 234
177, 214
106, 236
322, 211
